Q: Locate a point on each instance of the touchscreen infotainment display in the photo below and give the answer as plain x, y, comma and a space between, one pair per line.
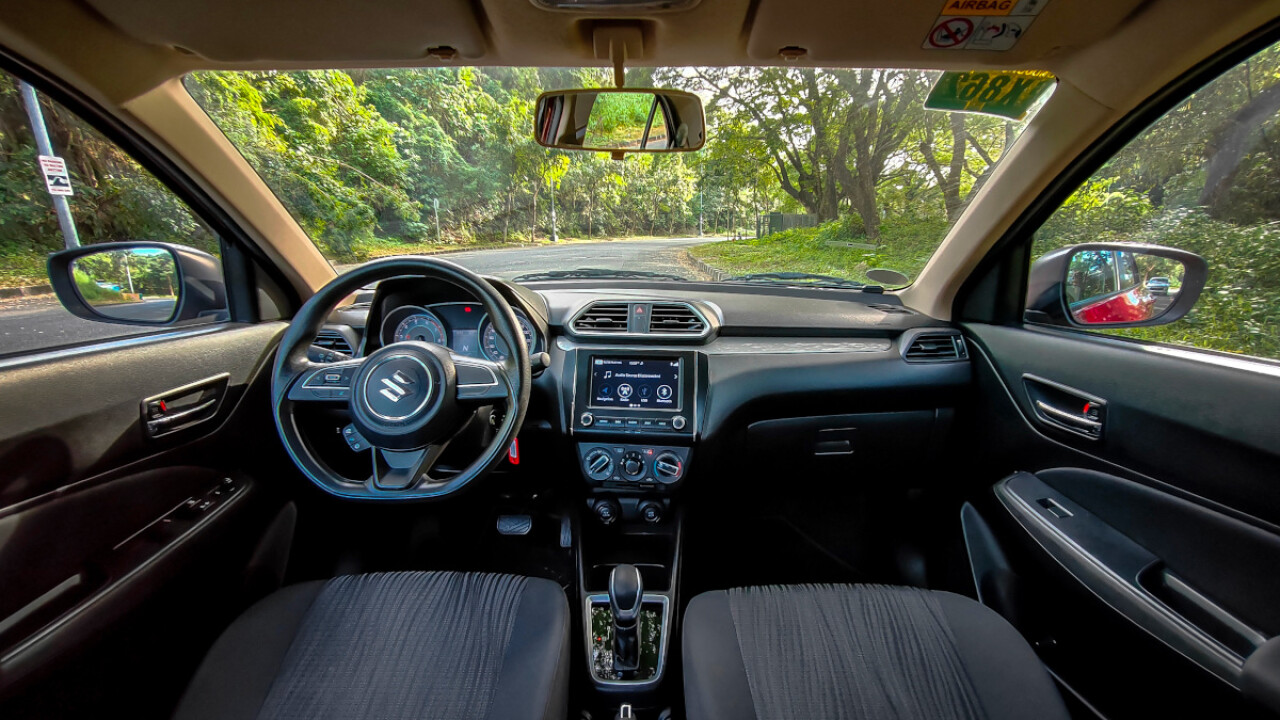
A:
636, 383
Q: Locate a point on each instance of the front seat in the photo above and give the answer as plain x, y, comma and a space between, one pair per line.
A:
390, 646
858, 651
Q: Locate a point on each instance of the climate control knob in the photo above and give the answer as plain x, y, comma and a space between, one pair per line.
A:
632, 464
668, 467
598, 464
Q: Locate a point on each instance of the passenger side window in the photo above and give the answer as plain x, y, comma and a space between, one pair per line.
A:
1204, 178
108, 198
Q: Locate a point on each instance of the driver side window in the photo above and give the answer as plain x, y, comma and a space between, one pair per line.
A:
108, 197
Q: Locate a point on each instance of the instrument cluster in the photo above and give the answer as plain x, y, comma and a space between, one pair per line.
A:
463, 327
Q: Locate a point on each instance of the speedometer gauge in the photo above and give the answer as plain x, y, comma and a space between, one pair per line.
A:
423, 327
494, 348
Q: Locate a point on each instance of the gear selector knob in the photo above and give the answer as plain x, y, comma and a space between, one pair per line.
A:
626, 594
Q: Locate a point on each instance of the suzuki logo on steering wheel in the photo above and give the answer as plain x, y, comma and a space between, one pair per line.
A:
397, 386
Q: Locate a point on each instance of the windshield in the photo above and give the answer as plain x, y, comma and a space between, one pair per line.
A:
808, 176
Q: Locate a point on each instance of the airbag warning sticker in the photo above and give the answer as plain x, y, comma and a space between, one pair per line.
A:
982, 24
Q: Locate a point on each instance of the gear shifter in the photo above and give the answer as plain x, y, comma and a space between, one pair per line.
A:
626, 593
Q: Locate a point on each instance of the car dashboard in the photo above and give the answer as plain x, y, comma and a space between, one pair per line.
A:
643, 385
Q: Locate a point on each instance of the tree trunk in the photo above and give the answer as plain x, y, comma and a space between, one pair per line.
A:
1229, 145
533, 229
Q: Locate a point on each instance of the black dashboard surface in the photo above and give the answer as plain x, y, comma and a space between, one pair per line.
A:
775, 352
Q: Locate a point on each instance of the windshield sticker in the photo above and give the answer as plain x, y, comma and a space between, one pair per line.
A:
1010, 94
994, 25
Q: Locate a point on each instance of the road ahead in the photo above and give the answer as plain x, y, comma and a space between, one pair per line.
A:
648, 255
44, 323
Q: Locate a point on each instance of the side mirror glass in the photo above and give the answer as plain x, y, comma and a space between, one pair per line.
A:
620, 120
135, 284
1114, 285
142, 283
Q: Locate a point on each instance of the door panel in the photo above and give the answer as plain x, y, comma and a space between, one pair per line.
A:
80, 413
1200, 428
1146, 554
106, 526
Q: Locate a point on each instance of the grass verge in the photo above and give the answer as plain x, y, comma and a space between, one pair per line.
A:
905, 246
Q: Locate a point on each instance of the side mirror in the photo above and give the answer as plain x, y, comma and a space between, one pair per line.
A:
1114, 285
620, 120
139, 283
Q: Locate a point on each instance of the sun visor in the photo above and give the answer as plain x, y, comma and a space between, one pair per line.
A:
300, 31
931, 33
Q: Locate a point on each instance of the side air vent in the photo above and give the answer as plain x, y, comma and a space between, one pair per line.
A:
936, 348
603, 318
675, 319
333, 340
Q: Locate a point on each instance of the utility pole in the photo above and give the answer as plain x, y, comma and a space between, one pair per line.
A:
70, 238
435, 204
128, 273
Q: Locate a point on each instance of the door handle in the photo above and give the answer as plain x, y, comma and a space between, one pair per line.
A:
1065, 408
184, 407
1080, 421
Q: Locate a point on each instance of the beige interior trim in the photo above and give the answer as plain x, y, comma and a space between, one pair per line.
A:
1069, 121
1109, 54
174, 118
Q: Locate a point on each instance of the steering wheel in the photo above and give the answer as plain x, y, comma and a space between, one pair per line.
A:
407, 399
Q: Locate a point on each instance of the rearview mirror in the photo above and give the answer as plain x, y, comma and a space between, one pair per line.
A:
1114, 285
139, 283
620, 120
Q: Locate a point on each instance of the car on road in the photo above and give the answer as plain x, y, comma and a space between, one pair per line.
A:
573, 359
1158, 286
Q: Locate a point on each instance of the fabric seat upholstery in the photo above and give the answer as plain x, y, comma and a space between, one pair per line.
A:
387, 646
858, 652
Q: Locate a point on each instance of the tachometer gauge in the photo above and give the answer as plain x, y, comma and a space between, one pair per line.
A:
494, 348
423, 327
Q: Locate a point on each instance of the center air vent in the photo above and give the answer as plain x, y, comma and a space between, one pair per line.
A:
603, 318
333, 340
936, 348
656, 318
675, 319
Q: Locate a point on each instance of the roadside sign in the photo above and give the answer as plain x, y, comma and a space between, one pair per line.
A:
1007, 94
56, 179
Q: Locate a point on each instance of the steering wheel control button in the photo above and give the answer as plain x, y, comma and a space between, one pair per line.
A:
354, 439
678, 422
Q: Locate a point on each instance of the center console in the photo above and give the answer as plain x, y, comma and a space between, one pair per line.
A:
634, 417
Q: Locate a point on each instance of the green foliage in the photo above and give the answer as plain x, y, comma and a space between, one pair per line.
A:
94, 293
906, 245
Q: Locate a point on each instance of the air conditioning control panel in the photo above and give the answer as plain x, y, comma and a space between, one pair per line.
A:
628, 467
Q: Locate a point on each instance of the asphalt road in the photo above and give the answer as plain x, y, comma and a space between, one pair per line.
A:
661, 256
43, 323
